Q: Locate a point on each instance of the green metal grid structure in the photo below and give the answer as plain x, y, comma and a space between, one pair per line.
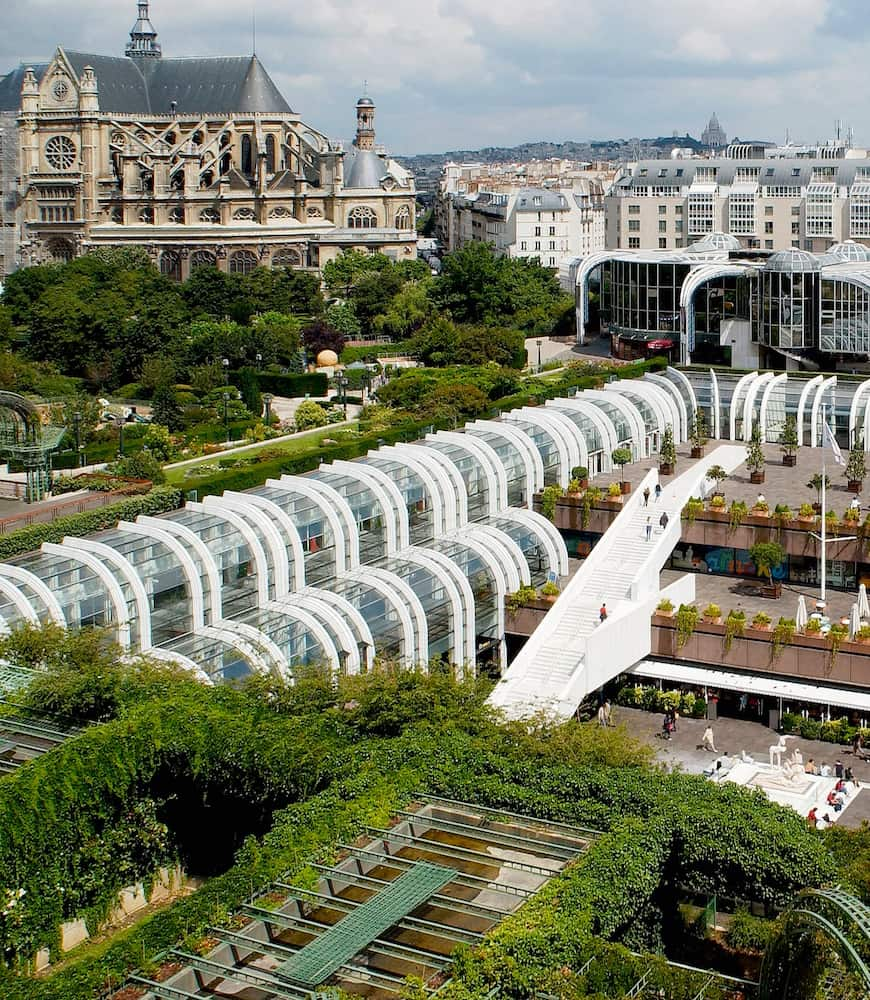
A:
24, 438
12, 678
317, 961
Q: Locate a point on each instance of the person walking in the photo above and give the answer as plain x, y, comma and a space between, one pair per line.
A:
602, 613
707, 742
602, 716
658, 492
608, 712
663, 520
648, 528
646, 497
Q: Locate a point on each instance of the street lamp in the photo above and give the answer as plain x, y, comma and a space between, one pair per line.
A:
120, 422
539, 343
226, 363
227, 415
267, 402
77, 427
343, 383
259, 359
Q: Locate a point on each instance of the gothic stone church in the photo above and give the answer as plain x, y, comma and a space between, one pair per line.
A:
200, 161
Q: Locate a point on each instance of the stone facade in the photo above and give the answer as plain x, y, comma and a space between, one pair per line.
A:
201, 161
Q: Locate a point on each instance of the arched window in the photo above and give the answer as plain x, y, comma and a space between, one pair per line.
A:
244, 214
146, 215
270, 154
170, 264
243, 262
289, 257
280, 212
403, 218
177, 215
247, 159
211, 215
362, 217
61, 250
202, 258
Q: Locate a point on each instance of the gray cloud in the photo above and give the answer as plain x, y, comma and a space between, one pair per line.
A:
467, 73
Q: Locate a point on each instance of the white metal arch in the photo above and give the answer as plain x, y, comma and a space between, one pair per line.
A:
190, 538
532, 461
324, 495
4, 625
516, 568
578, 453
425, 476
546, 531
20, 575
461, 598
326, 613
326, 471
742, 383
250, 537
765, 401
110, 582
296, 484
269, 536
289, 607
450, 478
802, 405
490, 463
862, 389
679, 413
632, 415
194, 581
261, 641
236, 639
587, 266
749, 402
170, 656
694, 281
352, 614
282, 518
397, 528
661, 403
602, 423
815, 425
405, 602
541, 418
680, 378
19, 599
717, 405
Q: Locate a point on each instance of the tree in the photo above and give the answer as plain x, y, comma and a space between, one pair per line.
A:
754, 454
342, 317
454, 401
668, 451
699, 429
372, 295
320, 336
856, 469
816, 484
407, 312
142, 465
158, 442
165, 409
309, 414
767, 556
788, 436
250, 390
438, 343
157, 373
341, 274
275, 337
718, 475
621, 457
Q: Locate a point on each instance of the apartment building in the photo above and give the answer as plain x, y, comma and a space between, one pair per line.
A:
806, 198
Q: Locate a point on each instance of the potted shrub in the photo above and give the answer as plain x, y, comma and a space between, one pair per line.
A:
717, 503
621, 457
718, 475
581, 474
863, 634
713, 614
665, 608
852, 516
767, 556
667, 453
549, 496
816, 484
550, 591
813, 626
761, 508
699, 435
614, 493
755, 457
525, 595
832, 523
806, 513
856, 470
788, 441
687, 619
735, 623
761, 621
736, 512
575, 488
782, 635
693, 508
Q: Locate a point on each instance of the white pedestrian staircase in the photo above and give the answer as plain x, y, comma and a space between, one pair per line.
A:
571, 653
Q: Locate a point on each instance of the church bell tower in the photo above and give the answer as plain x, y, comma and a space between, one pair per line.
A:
365, 123
143, 38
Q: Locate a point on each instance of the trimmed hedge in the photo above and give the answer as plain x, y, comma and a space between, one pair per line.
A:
292, 386
158, 501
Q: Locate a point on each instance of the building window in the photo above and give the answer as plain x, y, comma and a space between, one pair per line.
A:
146, 216
537, 230
244, 215
61, 250
741, 214
403, 218
634, 209
820, 210
176, 215
523, 245
537, 244
552, 230
247, 158
210, 215
634, 225
768, 227
552, 244
755, 244
362, 217
663, 243
170, 264
663, 225
678, 209
795, 210
287, 258
678, 225
768, 244
60, 153
634, 243
270, 154
768, 209
701, 212
243, 262
202, 258
795, 229
552, 262
663, 209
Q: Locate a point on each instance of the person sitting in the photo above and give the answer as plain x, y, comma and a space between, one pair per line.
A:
849, 776
812, 817
810, 766
825, 770
834, 801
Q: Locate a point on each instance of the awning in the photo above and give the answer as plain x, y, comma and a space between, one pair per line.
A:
775, 687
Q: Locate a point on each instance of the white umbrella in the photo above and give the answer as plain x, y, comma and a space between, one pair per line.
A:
800, 619
863, 602
854, 620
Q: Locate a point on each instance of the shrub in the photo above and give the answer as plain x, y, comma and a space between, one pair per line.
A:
550, 589
614, 490
308, 415
549, 496
749, 933
806, 510
760, 620
712, 611
687, 619
665, 604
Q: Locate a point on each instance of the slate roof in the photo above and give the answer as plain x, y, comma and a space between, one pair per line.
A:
364, 170
138, 86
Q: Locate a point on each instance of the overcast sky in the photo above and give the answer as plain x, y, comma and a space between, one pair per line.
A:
453, 74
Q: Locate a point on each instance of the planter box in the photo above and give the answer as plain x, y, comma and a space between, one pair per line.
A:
854, 485
789, 460
773, 590
698, 452
626, 487
756, 477
666, 469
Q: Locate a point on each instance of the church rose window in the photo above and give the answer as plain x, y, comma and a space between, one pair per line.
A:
60, 90
60, 152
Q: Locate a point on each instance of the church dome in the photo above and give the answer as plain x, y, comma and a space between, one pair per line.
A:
365, 170
365, 102
848, 250
793, 262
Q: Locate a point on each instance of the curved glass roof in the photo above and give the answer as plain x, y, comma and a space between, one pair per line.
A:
848, 250
715, 241
793, 261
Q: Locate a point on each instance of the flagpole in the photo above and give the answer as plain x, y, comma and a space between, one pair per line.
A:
824, 568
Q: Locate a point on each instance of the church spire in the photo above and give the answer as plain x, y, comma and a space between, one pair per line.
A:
143, 38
